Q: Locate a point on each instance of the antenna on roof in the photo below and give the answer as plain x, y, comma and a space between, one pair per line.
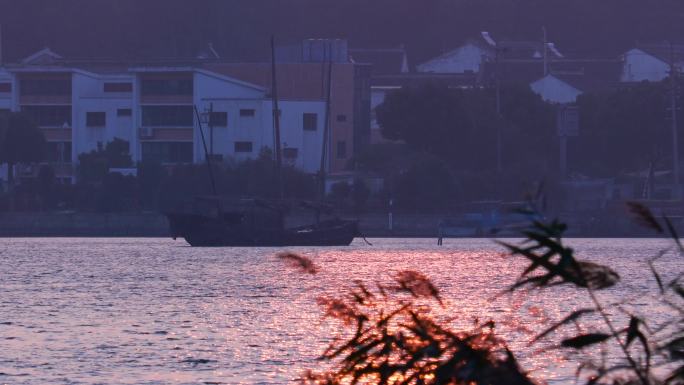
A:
555, 50
488, 38
213, 51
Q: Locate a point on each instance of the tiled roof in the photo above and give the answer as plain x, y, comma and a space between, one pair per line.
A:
420, 79
295, 80
664, 51
585, 74
390, 61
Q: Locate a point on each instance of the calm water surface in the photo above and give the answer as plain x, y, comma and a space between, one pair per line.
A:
154, 311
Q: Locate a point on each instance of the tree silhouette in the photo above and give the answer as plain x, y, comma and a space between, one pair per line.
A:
21, 141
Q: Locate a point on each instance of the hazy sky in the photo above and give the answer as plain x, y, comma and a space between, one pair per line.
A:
240, 28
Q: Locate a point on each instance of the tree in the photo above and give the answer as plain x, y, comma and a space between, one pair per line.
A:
151, 174
339, 192
427, 184
460, 126
94, 166
21, 141
360, 194
528, 130
433, 119
623, 130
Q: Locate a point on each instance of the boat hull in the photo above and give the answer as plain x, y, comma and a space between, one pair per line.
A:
201, 231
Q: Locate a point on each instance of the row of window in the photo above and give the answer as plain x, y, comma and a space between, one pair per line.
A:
182, 151
291, 152
49, 116
173, 152
148, 87
167, 152
46, 87
118, 87
166, 87
152, 116
167, 116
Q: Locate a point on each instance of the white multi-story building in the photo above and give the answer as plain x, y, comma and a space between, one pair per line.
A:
156, 109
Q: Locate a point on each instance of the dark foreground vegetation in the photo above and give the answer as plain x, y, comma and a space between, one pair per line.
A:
391, 335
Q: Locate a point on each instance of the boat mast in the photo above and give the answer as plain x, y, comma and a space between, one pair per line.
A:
276, 122
206, 152
326, 130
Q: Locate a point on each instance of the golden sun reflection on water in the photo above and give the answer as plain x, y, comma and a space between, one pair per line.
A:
154, 311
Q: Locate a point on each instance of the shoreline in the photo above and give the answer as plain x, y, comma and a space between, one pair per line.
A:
155, 225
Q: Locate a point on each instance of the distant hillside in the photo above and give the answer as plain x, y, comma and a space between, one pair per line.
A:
240, 29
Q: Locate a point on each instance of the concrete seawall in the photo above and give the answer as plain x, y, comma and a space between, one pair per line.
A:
83, 225
156, 225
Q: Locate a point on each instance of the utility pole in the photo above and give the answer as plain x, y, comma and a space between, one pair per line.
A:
276, 122
326, 133
545, 43
498, 111
673, 107
497, 79
211, 130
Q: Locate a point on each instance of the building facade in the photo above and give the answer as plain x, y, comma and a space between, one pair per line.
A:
157, 108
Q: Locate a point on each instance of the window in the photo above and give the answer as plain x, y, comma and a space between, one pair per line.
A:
243, 146
49, 116
5, 87
310, 121
166, 87
124, 112
170, 116
341, 118
167, 152
341, 149
118, 87
290, 153
247, 112
59, 152
96, 119
45, 86
219, 119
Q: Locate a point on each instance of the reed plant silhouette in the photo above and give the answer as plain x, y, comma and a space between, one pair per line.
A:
393, 338
552, 263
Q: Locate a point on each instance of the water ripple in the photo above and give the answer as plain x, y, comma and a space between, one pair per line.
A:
150, 311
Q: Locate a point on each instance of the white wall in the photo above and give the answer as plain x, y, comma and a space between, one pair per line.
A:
239, 128
292, 133
226, 95
639, 66
466, 58
258, 130
554, 90
231, 97
90, 97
